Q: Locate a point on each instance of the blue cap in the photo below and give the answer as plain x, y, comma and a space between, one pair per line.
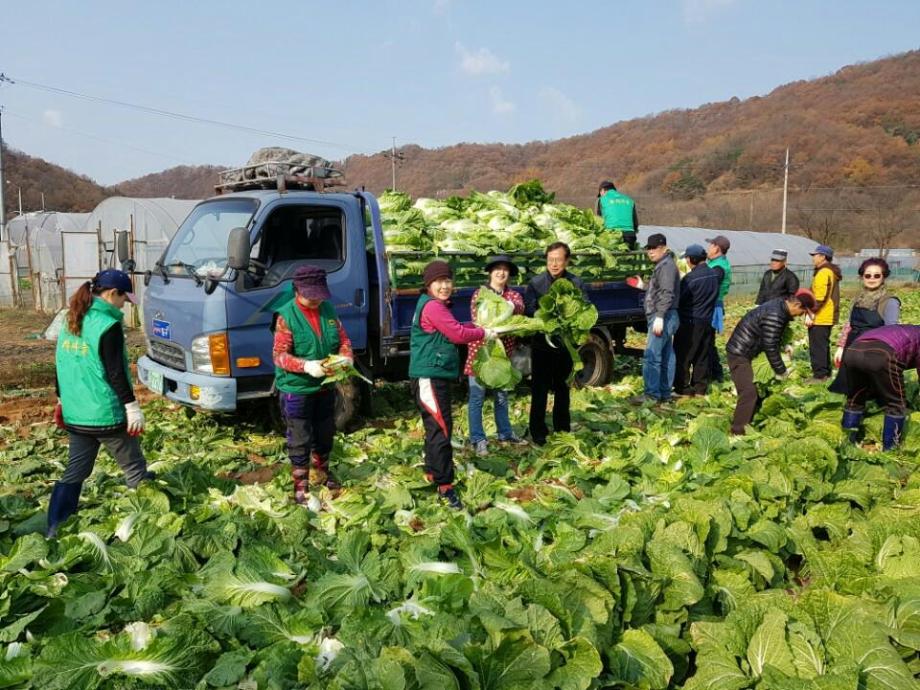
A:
825, 250
113, 278
695, 251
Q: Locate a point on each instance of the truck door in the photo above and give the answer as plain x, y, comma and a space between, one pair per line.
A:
294, 231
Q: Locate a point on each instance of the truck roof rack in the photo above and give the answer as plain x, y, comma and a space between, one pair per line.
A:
279, 175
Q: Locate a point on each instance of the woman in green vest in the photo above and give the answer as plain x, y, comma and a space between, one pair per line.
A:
434, 364
307, 331
96, 403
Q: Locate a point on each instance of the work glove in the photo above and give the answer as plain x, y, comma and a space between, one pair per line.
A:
789, 350
658, 326
135, 418
636, 282
838, 357
59, 415
491, 333
781, 377
809, 320
315, 368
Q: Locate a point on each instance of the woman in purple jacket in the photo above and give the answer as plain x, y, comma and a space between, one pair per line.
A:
875, 368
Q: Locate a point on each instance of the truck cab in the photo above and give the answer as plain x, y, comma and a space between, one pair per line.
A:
208, 326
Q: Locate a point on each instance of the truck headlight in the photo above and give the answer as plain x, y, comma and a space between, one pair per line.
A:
211, 354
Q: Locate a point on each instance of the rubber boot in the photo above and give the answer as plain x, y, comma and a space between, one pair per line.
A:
301, 478
63, 504
449, 495
852, 419
322, 465
892, 431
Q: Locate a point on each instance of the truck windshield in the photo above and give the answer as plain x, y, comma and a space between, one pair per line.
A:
200, 243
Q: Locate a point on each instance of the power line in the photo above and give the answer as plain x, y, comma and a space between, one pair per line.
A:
171, 114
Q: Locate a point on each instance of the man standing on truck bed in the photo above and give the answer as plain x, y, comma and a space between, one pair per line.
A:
307, 331
551, 366
618, 212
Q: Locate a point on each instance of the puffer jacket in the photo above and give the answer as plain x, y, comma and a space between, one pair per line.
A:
761, 330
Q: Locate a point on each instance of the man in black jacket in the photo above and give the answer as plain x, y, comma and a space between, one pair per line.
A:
699, 290
550, 366
761, 330
778, 280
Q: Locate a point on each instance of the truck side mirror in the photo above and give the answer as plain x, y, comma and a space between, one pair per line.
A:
121, 246
238, 249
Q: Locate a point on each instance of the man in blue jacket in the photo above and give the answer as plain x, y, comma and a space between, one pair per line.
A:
699, 290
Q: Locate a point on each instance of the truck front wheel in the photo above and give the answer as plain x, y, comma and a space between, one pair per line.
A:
598, 361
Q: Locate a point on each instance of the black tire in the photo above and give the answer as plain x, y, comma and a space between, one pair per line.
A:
598, 361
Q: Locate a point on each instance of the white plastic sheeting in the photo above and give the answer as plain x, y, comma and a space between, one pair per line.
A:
150, 222
7, 295
748, 248
36, 239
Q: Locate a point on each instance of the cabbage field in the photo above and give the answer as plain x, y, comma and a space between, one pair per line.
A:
645, 549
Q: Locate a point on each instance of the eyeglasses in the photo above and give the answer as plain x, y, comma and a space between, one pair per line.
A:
872, 275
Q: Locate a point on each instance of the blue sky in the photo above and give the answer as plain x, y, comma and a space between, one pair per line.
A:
432, 72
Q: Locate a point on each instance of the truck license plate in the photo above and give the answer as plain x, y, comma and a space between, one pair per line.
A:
155, 382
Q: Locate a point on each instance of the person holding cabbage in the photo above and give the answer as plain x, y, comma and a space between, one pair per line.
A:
434, 363
551, 364
307, 332
499, 269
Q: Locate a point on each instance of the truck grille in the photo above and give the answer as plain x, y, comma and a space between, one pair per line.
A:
166, 353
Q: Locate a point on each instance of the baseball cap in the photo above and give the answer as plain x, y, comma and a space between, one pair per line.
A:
655, 240
695, 251
823, 249
113, 278
722, 242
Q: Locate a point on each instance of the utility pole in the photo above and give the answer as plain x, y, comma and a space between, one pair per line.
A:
393, 156
785, 190
751, 221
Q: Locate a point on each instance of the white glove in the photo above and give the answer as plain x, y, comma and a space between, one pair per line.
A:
790, 350
809, 320
658, 326
490, 333
315, 368
838, 357
135, 418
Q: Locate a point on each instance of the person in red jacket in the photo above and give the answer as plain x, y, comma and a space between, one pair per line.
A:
434, 364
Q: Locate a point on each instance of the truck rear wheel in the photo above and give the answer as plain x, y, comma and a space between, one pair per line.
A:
598, 361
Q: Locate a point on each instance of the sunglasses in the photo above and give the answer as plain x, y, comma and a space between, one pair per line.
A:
872, 275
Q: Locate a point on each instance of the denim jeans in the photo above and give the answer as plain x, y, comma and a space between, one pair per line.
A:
659, 363
477, 398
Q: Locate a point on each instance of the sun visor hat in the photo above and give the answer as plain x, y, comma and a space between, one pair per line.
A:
119, 280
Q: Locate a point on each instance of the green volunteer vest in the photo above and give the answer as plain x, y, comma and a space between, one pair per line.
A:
431, 355
617, 211
308, 345
722, 263
86, 396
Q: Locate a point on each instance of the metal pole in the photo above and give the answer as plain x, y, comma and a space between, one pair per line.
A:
785, 190
2, 185
393, 162
751, 223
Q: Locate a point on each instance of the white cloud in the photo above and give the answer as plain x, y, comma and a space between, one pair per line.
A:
696, 11
480, 62
500, 104
561, 105
53, 118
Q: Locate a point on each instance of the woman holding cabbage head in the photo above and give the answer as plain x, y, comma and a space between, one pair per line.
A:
500, 269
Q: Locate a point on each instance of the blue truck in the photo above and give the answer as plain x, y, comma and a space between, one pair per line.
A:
208, 305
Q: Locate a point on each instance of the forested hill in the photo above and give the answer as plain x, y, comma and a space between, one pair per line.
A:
859, 127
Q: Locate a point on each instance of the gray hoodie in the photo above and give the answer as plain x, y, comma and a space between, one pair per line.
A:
663, 288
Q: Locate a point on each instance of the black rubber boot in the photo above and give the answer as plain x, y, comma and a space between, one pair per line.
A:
63, 504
